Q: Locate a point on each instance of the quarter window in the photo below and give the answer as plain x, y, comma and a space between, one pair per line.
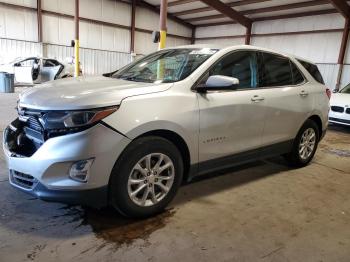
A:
241, 65
313, 70
298, 77
277, 71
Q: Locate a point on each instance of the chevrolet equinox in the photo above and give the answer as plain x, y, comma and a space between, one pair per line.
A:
129, 138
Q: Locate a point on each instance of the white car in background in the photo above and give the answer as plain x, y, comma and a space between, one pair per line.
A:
35, 70
340, 107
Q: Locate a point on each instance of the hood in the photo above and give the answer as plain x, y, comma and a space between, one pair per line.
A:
340, 99
85, 93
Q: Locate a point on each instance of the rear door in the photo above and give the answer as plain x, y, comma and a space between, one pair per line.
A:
231, 122
288, 100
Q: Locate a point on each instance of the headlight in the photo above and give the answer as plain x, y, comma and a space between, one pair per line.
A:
73, 119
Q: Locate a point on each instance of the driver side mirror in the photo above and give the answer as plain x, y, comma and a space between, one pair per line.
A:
219, 83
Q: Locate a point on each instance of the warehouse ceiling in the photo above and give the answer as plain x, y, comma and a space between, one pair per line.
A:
210, 12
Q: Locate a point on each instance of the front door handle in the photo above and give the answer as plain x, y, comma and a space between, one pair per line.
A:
258, 99
303, 93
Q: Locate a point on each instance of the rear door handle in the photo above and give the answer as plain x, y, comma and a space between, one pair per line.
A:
303, 93
258, 99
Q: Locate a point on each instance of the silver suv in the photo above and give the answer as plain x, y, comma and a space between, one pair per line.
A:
129, 138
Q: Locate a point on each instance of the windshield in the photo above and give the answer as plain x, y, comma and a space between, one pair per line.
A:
165, 66
345, 90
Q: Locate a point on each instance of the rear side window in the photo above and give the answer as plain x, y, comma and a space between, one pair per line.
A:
298, 77
313, 70
276, 71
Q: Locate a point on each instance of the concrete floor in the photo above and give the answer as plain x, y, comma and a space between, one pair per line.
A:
263, 211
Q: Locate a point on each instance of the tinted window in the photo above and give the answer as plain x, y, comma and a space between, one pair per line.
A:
298, 77
277, 71
313, 70
345, 90
241, 65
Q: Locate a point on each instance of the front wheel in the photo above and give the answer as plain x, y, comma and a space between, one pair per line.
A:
146, 177
305, 145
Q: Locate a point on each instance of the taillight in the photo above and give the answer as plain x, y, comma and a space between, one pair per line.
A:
329, 93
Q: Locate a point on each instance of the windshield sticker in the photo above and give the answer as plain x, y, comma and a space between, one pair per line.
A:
204, 51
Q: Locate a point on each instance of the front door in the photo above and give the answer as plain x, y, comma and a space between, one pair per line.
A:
231, 122
24, 70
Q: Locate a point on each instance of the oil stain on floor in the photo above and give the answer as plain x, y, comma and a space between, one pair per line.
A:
113, 229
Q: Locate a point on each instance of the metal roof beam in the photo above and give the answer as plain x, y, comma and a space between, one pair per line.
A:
342, 7
209, 8
265, 9
294, 15
229, 12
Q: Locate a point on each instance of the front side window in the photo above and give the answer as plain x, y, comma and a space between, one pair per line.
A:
276, 71
241, 65
165, 66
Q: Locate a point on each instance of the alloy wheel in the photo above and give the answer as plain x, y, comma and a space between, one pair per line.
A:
307, 143
151, 179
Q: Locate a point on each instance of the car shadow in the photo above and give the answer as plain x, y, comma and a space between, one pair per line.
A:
339, 128
57, 221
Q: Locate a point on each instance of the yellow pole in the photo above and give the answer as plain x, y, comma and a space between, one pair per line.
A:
162, 42
76, 54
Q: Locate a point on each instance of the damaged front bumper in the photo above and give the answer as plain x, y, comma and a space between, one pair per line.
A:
41, 168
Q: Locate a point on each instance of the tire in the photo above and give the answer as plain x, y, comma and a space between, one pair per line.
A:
296, 158
126, 170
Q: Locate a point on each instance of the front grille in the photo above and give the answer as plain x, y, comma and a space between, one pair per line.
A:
339, 120
22, 180
34, 123
348, 110
337, 109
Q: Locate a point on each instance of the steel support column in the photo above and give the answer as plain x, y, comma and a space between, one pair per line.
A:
162, 23
344, 44
76, 39
248, 35
193, 36
40, 21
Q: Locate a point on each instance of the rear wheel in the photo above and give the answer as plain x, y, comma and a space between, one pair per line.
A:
146, 177
305, 145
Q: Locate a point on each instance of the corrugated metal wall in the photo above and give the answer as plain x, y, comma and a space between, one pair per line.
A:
104, 48
321, 48
145, 19
11, 49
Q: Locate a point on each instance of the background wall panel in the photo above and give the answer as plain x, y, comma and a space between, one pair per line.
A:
222, 42
92, 61
11, 49
345, 80
18, 24
222, 30
146, 19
